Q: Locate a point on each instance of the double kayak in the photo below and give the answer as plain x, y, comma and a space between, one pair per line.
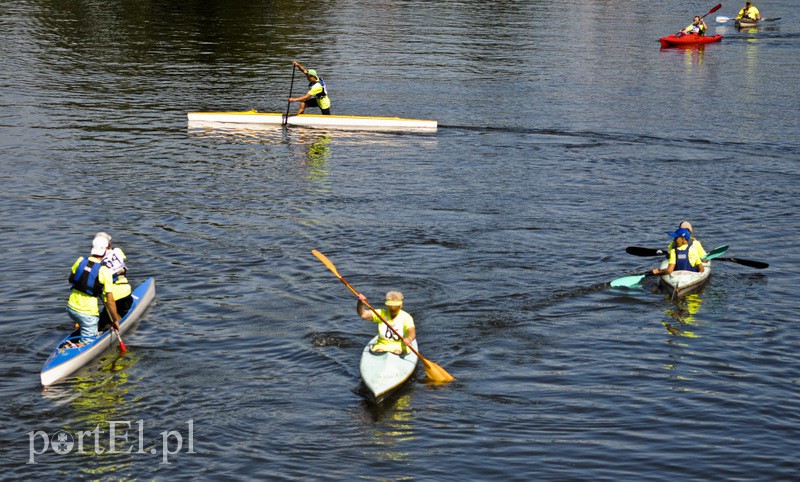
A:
67, 357
678, 40
351, 122
383, 373
679, 283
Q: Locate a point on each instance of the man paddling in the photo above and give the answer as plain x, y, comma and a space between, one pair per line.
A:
317, 95
90, 280
697, 27
749, 12
401, 321
684, 257
114, 259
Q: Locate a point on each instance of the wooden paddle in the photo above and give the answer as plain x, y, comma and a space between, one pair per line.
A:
434, 371
289, 102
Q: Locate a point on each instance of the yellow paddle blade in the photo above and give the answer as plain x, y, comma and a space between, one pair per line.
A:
436, 373
326, 262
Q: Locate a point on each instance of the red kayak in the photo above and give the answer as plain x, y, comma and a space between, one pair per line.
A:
688, 39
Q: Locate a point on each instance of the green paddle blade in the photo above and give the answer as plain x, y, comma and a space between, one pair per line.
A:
627, 281
716, 252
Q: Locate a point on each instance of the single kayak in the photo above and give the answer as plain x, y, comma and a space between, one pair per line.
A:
383, 373
353, 122
745, 23
66, 359
688, 39
683, 282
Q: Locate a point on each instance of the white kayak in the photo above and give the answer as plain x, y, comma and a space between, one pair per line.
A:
682, 282
383, 373
207, 119
65, 359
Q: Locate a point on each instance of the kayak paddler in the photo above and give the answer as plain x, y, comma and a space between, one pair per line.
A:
114, 259
317, 95
684, 256
401, 321
697, 27
695, 242
90, 280
749, 12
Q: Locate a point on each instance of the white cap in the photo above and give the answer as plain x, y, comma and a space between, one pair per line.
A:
99, 246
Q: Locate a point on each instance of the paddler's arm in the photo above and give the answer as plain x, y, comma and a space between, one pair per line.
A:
111, 306
302, 69
361, 309
412, 334
300, 99
669, 269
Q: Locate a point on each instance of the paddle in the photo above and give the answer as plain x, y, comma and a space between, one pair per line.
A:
633, 280
746, 262
637, 251
723, 19
714, 9
289, 102
122, 347
434, 371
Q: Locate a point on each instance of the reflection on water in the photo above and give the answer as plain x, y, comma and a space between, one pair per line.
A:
683, 313
98, 394
393, 425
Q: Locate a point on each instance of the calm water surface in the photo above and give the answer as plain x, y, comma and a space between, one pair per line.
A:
565, 136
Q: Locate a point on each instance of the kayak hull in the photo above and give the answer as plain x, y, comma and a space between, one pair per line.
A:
679, 283
65, 361
688, 39
206, 119
745, 23
383, 373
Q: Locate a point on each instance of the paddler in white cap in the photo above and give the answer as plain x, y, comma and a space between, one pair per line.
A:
401, 321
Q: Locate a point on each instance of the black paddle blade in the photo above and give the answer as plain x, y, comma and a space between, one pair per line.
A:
746, 262
637, 251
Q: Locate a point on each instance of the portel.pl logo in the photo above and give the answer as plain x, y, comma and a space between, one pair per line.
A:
119, 437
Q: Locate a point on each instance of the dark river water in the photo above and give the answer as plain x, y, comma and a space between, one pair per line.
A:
566, 134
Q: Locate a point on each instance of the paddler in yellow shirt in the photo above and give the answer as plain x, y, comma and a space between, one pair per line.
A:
317, 95
695, 242
114, 260
401, 321
90, 280
698, 26
749, 12
683, 257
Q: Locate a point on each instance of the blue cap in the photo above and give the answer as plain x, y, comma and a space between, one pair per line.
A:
681, 233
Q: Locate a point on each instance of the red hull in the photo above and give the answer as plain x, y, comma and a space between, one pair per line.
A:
689, 39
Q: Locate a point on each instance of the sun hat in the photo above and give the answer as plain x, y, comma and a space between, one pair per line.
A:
99, 246
681, 233
312, 73
394, 298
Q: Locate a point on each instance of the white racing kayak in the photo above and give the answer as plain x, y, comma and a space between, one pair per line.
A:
208, 119
682, 282
383, 373
67, 358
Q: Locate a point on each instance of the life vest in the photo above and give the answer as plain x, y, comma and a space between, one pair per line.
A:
114, 261
321, 82
86, 278
682, 258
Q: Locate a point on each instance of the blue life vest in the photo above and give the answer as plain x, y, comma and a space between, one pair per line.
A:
86, 278
682, 258
324, 88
